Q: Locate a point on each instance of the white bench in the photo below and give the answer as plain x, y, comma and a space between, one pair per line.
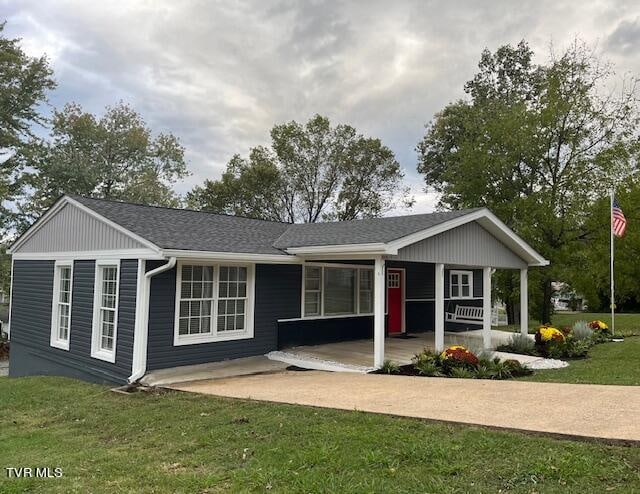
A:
465, 314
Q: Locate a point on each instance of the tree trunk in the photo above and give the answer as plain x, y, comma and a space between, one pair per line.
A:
545, 307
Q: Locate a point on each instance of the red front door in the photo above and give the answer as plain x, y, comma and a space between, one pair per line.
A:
394, 300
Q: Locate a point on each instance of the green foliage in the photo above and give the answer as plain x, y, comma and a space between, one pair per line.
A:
462, 373
113, 156
427, 364
311, 172
519, 343
581, 331
431, 364
537, 144
24, 84
389, 367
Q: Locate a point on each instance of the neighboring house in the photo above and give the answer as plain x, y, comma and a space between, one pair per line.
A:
106, 291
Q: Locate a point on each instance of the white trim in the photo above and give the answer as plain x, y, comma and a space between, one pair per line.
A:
213, 336
211, 256
439, 307
403, 328
311, 318
90, 255
459, 273
55, 340
96, 330
379, 297
64, 200
370, 248
322, 266
141, 330
524, 302
486, 308
10, 300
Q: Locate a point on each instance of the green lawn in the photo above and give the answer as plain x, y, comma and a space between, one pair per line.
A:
626, 324
178, 442
607, 363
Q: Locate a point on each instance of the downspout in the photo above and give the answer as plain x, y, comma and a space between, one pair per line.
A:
141, 333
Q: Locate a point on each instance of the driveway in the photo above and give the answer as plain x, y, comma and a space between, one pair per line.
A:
585, 410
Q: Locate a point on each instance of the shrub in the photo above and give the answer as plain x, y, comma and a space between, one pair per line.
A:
427, 363
389, 367
581, 331
599, 326
519, 343
462, 373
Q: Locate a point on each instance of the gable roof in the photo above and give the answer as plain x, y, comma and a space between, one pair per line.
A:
168, 230
365, 231
185, 229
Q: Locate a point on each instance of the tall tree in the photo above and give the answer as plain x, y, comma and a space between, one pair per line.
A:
24, 83
537, 144
113, 156
311, 172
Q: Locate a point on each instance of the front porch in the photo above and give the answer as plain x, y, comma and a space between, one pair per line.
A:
399, 349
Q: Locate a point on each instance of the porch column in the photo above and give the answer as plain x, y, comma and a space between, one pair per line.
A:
379, 284
524, 302
439, 329
486, 308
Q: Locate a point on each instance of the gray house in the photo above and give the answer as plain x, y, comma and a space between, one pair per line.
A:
108, 291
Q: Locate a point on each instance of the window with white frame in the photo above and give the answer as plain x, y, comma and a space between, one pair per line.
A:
337, 291
213, 303
61, 310
105, 310
460, 284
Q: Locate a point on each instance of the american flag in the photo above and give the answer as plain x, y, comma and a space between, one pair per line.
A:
618, 221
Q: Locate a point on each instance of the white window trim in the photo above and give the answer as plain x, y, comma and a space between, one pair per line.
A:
459, 272
96, 351
55, 341
245, 334
322, 265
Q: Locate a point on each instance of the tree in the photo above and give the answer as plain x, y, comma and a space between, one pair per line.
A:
113, 156
537, 144
312, 172
24, 83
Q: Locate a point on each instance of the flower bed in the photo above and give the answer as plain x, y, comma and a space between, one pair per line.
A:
456, 361
566, 343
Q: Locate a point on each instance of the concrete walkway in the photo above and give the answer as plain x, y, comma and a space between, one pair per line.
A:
594, 411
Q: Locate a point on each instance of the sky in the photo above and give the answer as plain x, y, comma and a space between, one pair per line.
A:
219, 75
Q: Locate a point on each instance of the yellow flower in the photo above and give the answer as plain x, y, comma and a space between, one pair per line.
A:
445, 355
548, 333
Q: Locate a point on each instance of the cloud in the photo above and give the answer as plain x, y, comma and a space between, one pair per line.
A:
221, 74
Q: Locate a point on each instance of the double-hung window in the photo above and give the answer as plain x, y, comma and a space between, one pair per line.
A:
61, 309
460, 284
337, 291
214, 302
105, 310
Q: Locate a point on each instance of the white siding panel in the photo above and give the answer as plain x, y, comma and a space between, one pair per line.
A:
71, 229
469, 244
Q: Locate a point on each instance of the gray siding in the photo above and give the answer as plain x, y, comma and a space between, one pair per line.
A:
31, 323
469, 245
277, 296
71, 229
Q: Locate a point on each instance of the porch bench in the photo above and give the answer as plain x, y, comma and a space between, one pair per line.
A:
465, 314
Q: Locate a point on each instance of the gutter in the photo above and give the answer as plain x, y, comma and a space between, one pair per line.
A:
141, 332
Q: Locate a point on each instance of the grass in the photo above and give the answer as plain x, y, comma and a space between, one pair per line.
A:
626, 324
178, 442
607, 363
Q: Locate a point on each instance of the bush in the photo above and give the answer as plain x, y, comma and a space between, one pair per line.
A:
581, 331
462, 373
389, 367
545, 334
519, 343
458, 356
427, 364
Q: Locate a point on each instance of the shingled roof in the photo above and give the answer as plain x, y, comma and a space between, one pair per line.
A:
184, 229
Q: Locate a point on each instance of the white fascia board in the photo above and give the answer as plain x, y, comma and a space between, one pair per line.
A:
68, 200
231, 256
488, 220
372, 249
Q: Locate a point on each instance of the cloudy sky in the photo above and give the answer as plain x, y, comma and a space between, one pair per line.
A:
220, 74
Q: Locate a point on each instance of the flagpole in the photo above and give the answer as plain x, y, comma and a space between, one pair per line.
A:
612, 305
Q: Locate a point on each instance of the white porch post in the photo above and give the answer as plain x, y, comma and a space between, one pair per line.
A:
378, 312
439, 329
486, 308
524, 302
